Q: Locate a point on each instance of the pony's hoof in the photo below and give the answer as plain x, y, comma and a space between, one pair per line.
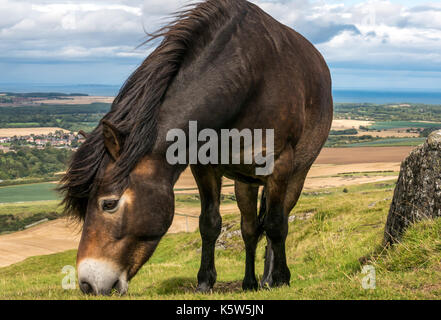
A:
204, 288
252, 285
275, 282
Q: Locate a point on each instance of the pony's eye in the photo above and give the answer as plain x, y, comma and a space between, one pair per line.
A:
110, 206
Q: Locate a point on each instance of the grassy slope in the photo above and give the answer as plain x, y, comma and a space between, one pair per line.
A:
323, 255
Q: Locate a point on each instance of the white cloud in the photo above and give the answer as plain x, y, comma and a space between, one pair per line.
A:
370, 32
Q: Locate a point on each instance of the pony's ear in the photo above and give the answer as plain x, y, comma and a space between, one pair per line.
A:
113, 139
82, 133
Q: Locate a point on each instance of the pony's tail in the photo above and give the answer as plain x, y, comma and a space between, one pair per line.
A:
262, 213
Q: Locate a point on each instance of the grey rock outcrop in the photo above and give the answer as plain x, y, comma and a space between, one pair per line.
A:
417, 195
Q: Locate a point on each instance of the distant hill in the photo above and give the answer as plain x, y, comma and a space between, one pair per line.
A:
43, 94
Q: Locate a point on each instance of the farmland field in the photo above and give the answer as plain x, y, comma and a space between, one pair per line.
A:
396, 133
387, 125
342, 124
350, 156
78, 100
398, 142
28, 131
28, 192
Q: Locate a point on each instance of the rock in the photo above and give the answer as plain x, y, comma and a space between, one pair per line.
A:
232, 234
301, 216
417, 195
373, 204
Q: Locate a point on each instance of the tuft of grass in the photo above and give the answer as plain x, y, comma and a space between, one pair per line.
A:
420, 248
328, 235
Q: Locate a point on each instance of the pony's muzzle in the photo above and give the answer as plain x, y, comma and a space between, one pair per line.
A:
101, 278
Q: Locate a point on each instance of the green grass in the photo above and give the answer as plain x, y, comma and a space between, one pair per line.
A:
23, 125
390, 142
28, 192
333, 230
387, 125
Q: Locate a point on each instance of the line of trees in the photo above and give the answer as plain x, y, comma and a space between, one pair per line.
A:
69, 117
30, 162
412, 112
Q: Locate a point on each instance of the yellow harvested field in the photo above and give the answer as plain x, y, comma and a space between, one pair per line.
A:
351, 156
355, 124
389, 134
79, 100
324, 170
349, 124
28, 131
47, 238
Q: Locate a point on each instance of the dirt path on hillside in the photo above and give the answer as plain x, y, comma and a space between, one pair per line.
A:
47, 238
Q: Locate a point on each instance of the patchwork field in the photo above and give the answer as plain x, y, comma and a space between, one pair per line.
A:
28, 192
349, 156
397, 133
78, 100
387, 125
343, 124
398, 142
28, 131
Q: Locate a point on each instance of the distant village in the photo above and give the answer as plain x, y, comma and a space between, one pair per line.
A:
58, 139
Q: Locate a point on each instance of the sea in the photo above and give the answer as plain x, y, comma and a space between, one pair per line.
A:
340, 95
386, 97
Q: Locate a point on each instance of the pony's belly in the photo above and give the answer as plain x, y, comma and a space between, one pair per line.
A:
245, 176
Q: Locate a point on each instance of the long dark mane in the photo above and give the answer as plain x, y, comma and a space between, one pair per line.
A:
135, 109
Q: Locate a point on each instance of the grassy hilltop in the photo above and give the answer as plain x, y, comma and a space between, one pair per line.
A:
331, 232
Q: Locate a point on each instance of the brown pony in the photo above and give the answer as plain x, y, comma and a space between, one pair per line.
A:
225, 64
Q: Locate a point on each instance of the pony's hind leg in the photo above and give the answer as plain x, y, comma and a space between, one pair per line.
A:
246, 196
282, 192
209, 182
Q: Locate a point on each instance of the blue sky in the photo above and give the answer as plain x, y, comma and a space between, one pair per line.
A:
369, 44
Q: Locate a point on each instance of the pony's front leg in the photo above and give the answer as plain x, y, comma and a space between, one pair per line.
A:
246, 196
209, 182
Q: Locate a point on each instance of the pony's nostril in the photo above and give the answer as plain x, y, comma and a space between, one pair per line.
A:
86, 287
115, 285
100, 278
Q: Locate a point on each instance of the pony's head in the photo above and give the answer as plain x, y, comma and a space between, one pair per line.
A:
123, 219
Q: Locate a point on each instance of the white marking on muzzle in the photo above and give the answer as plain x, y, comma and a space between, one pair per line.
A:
99, 277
